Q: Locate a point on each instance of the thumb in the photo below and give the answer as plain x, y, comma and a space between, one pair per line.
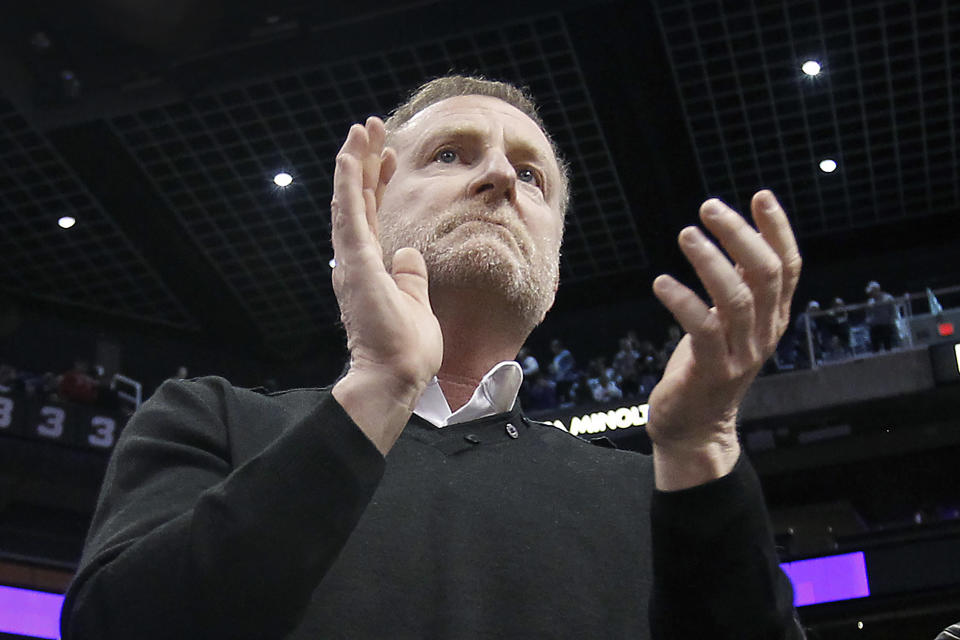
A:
410, 274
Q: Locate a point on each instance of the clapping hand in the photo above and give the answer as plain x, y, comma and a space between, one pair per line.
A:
693, 410
393, 336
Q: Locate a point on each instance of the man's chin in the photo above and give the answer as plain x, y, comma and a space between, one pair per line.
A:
493, 263
493, 266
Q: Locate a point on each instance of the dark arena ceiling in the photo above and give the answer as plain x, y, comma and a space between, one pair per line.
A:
159, 128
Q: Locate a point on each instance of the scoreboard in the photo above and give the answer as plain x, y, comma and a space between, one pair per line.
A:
66, 423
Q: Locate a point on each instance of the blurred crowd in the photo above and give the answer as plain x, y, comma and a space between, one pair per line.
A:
82, 383
560, 380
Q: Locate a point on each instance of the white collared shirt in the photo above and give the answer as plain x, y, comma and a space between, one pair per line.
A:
496, 394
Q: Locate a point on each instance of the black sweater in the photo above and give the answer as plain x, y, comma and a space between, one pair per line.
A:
230, 514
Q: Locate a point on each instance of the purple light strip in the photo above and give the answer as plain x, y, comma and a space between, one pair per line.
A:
30, 613
841, 577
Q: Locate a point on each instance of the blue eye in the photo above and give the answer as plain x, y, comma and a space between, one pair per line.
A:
528, 175
446, 156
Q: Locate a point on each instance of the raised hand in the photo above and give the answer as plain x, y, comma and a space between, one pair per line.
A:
393, 336
693, 410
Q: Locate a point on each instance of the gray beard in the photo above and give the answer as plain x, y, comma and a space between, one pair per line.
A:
482, 257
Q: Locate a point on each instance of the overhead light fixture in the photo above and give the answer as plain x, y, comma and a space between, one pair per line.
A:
66, 222
828, 165
811, 67
283, 179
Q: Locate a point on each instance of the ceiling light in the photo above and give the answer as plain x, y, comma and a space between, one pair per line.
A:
811, 67
282, 179
66, 222
828, 165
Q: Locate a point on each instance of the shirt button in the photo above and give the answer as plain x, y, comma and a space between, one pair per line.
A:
512, 431
472, 439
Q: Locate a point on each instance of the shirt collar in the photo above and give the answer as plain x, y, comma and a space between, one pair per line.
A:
496, 393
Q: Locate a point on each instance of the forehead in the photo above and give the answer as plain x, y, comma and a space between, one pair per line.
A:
483, 113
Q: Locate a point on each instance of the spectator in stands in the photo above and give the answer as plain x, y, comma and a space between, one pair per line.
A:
542, 392
835, 350
579, 394
625, 367
77, 384
598, 366
808, 335
837, 323
527, 362
674, 335
881, 318
43, 386
649, 367
786, 356
604, 389
562, 367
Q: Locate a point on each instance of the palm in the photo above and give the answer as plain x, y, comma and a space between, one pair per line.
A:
674, 415
713, 365
387, 315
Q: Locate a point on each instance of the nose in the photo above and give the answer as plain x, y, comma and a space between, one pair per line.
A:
497, 177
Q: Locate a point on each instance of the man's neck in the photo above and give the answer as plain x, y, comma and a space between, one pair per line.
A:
479, 330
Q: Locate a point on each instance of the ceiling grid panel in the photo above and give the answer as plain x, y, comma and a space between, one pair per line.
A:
838, 152
92, 264
799, 208
882, 106
894, 133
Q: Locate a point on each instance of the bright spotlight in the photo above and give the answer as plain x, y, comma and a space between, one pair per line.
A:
282, 179
332, 263
828, 165
66, 222
811, 67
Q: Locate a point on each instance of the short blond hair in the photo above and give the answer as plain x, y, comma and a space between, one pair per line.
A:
452, 86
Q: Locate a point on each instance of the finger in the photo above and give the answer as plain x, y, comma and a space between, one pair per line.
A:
731, 296
356, 143
348, 209
774, 226
370, 207
388, 165
410, 274
376, 134
694, 317
757, 263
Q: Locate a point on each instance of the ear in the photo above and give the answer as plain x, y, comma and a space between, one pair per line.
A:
388, 165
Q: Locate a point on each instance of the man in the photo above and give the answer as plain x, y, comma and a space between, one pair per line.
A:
881, 318
807, 327
334, 513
